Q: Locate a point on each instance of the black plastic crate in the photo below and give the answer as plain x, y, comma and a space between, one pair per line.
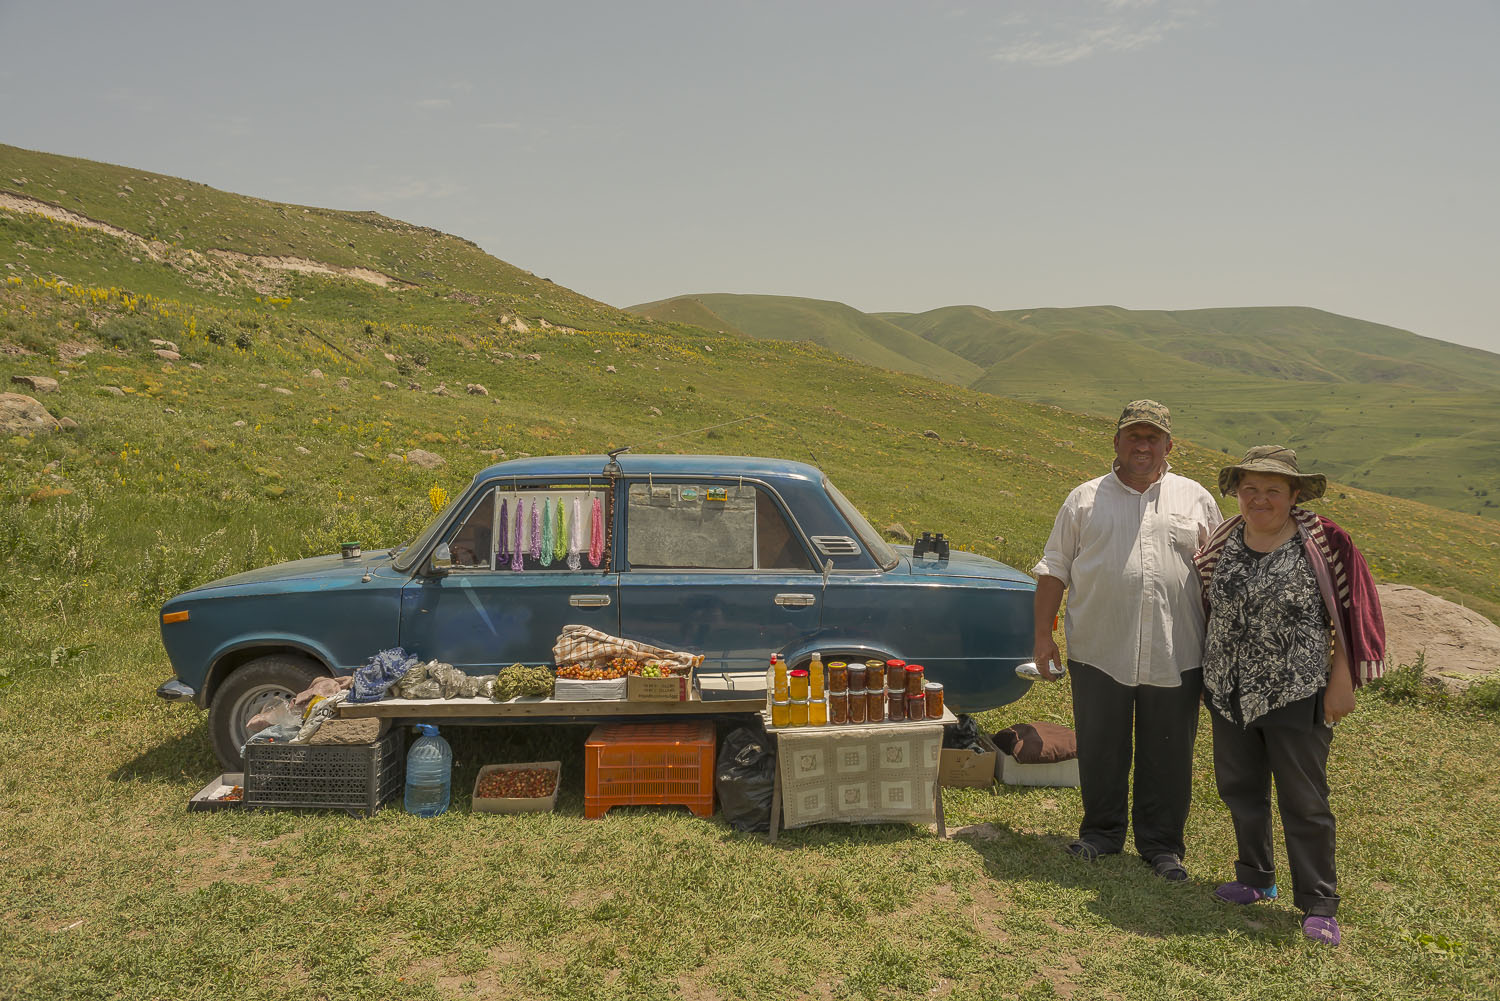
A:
358, 779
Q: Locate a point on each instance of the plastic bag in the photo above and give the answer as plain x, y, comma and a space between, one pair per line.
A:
964, 736
745, 779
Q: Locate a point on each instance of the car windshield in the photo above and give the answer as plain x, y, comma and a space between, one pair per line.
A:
877, 547
406, 555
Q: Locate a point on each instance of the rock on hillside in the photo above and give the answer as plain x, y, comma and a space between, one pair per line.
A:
1461, 646
23, 415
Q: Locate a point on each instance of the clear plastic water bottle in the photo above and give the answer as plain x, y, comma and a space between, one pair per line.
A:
429, 773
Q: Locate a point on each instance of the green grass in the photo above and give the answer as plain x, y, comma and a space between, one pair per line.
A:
110, 889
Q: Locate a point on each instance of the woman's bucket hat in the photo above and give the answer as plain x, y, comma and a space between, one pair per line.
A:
1273, 459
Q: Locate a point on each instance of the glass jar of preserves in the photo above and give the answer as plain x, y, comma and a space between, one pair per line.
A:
799, 713
857, 678
875, 705
838, 708
781, 713
799, 684
874, 674
916, 707
856, 705
817, 712
893, 675
895, 705
934, 700
838, 676
916, 677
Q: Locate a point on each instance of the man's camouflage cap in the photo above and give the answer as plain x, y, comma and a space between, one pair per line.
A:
1145, 412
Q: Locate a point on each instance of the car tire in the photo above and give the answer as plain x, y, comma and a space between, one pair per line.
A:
249, 689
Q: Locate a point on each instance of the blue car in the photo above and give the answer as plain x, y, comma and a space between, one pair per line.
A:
732, 557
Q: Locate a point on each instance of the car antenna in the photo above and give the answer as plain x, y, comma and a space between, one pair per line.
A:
612, 467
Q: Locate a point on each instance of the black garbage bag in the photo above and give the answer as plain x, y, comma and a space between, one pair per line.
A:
745, 778
964, 736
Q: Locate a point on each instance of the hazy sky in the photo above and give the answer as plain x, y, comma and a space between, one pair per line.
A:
1342, 154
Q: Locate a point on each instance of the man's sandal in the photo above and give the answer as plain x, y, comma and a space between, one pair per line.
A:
1081, 849
1169, 867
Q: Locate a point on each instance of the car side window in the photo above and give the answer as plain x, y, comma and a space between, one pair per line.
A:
470, 541
709, 526
526, 529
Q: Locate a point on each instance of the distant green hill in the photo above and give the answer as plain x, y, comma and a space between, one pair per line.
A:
1371, 404
835, 326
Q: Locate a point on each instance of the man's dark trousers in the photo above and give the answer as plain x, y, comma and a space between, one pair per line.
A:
1164, 724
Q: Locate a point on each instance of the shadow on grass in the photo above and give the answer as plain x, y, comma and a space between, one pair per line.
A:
185, 758
1124, 891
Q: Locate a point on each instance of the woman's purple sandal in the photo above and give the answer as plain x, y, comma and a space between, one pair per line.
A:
1243, 893
1322, 928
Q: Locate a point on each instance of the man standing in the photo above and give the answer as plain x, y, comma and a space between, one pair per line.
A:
1122, 546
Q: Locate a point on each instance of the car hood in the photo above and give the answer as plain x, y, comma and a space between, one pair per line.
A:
960, 564
334, 566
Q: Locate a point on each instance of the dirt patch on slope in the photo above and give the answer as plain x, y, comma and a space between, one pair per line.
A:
158, 251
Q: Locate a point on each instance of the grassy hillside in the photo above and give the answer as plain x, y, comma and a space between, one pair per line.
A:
835, 326
239, 454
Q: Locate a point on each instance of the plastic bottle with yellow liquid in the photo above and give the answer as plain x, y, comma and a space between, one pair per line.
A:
815, 676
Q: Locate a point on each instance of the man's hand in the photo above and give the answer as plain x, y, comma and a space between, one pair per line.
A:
1048, 659
1048, 599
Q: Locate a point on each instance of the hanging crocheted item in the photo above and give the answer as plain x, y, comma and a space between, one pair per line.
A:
560, 533
548, 530
575, 536
536, 532
517, 551
502, 551
596, 534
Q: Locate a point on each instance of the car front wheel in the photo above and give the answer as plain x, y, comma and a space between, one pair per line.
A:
251, 689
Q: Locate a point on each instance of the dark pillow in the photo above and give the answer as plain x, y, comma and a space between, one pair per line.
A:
1038, 743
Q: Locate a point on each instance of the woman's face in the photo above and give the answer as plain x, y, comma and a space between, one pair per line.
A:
1266, 500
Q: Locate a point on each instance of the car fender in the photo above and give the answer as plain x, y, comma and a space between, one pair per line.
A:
849, 648
246, 648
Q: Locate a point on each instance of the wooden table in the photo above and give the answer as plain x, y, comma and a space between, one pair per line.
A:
831, 732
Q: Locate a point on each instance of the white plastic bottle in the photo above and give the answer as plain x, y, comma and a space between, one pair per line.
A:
429, 773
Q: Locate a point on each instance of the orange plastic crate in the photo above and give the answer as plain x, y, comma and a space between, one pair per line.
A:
649, 764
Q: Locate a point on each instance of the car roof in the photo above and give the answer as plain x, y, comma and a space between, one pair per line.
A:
660, 465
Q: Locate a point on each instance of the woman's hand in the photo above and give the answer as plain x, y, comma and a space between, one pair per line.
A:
1338, 698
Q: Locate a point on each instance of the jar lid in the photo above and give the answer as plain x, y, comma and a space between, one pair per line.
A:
895, 665
933, 686
874, 663
801, 672
800, 702
780, 702
915, 669
836, 665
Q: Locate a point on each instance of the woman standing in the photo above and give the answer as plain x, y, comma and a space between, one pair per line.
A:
1294, 627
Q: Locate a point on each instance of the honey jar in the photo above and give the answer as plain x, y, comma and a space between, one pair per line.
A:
817, 712
838, 676
916, 677
799, 713
856, 677
838, 708
895, 705
781, 713
799, 682
857, 706
934, 700
874, 674
875, 705
916, 707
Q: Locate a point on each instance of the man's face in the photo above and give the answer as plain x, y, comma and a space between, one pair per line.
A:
1141, 451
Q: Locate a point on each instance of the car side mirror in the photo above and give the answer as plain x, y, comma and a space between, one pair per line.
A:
442, 559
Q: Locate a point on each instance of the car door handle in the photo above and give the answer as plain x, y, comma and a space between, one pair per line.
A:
588, 600
796, 600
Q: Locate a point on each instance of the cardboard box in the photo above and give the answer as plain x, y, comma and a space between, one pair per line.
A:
539, 804
213, 797
1055, 773
575, 690
675, 688
968, 767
